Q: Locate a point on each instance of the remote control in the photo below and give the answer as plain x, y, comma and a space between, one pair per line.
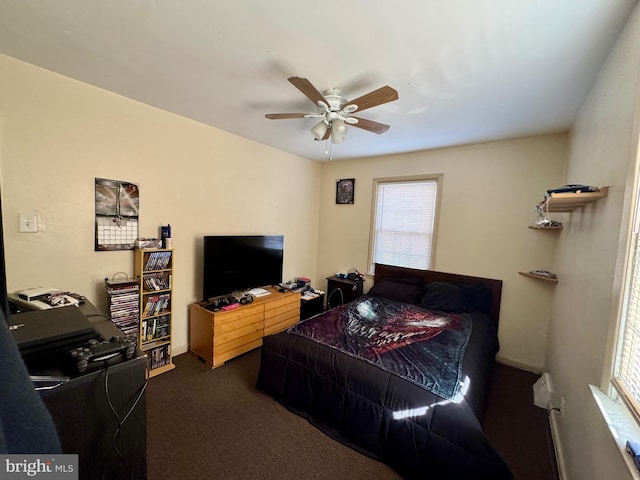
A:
230, 307
96, 351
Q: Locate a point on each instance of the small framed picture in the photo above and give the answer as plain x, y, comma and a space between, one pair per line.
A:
345, 190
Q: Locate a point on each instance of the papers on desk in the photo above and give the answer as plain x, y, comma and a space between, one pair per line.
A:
259, 292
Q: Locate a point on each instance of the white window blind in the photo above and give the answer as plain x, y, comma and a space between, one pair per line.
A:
404, 223
626, 377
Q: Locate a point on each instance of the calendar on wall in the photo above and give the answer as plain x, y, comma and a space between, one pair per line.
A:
117, 207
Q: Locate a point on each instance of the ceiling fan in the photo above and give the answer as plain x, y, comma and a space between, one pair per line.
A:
335, 111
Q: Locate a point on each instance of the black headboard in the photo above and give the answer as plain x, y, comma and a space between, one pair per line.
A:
428, 276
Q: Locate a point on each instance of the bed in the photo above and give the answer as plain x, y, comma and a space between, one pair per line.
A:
401, 374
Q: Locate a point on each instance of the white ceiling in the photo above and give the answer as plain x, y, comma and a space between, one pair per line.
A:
466, 71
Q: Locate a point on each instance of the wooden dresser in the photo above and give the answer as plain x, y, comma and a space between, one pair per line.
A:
216, 337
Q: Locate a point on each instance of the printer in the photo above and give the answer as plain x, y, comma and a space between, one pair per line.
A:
42, 298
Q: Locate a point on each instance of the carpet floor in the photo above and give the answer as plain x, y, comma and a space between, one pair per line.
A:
215, 424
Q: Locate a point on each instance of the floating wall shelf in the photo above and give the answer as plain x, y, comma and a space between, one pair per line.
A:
535, 227
539, 277
568, 202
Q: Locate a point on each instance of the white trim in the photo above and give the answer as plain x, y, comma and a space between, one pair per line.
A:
518, 365
621, 423
554, 423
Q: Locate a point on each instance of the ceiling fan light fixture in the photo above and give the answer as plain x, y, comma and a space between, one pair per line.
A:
339, 127
319, 130
338, 131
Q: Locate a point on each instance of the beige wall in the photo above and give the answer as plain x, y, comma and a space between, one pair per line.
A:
57, 135
603, 151
489, 192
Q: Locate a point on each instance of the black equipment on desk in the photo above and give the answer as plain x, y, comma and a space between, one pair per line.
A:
43, 331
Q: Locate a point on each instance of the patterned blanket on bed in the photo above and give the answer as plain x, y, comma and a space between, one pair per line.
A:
423, 346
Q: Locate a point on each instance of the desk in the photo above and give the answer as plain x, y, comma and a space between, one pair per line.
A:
84, 420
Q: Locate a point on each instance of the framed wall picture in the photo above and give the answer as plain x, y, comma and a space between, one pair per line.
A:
345, 190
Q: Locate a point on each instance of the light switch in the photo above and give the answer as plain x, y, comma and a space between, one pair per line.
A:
27, 223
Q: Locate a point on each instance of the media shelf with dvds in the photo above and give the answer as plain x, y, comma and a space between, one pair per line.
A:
154, 271
123, 304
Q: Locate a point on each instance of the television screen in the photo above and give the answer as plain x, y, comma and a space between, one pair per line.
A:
240, 262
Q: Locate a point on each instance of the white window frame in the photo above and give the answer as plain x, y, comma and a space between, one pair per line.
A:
620, 412
437, 178
629, 307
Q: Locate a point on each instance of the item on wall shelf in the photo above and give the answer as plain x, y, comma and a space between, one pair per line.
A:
117, 206
565, 199
573, 188
546, 224
345, 191
570, 197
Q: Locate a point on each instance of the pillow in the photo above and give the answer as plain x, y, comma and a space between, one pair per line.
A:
476, 297
443, 296
406, 290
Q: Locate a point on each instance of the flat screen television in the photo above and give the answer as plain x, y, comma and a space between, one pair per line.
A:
241, 262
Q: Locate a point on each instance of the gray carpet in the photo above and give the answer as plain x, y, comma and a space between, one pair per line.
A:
214, 424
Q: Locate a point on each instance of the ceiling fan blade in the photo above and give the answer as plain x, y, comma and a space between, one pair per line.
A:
377, 97
280, 116
307, 88
370, 125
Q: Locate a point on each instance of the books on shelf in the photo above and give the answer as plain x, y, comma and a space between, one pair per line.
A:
154, 328
156, 281
156, 304
159, 356
158, 261
154, 271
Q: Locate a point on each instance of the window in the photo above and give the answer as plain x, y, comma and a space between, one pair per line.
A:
403, 225
626, 373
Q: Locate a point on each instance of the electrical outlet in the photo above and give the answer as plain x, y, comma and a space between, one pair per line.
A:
27, 223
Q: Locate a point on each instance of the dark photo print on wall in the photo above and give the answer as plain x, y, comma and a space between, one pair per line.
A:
345, 190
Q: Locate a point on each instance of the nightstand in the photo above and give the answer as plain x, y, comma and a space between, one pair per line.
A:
349, 290
311, 306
